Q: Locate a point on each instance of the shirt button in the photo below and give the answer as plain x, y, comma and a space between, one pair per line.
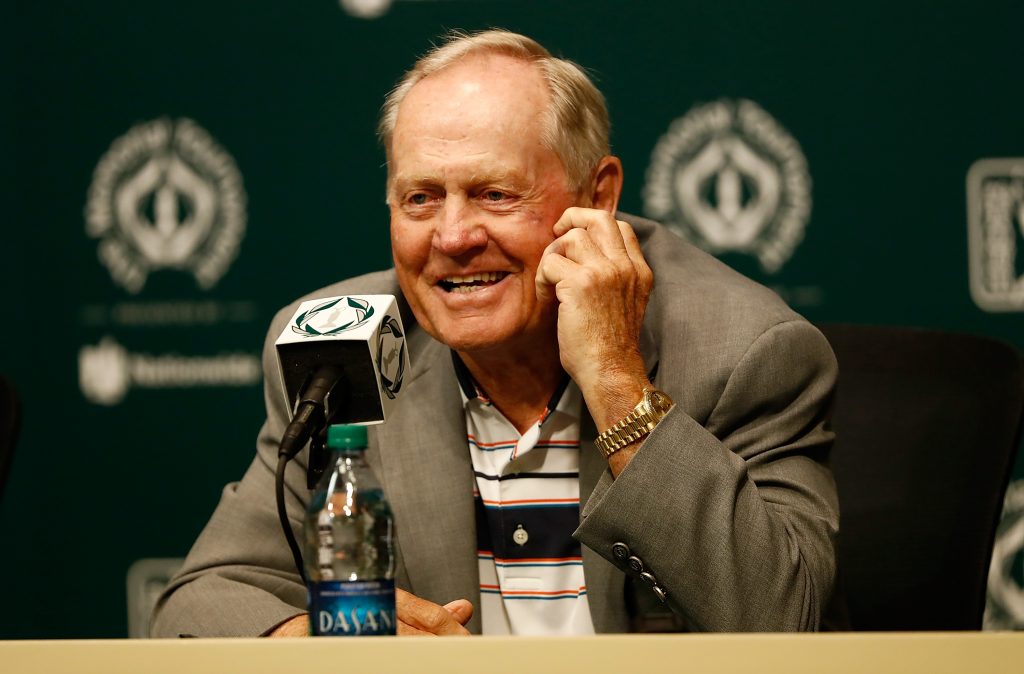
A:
520, 536
620, 551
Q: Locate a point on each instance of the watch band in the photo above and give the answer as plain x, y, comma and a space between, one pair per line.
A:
636, 425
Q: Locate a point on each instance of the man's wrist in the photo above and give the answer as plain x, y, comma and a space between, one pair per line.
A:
636, 425
612, 394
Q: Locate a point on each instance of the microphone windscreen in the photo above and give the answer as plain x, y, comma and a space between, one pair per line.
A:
361, 334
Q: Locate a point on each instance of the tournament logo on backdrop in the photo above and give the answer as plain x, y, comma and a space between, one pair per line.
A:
1004, 609
333, 317
995, 233
166, 196
391, 357
729, 178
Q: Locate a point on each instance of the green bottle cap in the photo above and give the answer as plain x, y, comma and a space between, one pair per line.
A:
346, 437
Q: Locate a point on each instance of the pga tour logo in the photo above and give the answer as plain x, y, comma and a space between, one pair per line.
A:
728, 178
344, 314
333, 317
995, 233
391, 357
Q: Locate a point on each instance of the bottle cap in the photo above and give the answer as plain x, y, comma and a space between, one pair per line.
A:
346, 437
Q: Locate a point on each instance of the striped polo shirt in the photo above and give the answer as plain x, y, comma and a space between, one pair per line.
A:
527, 506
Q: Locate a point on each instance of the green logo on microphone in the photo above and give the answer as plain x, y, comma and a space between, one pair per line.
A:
333, 317
391, 357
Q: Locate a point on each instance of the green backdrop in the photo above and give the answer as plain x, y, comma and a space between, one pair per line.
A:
141, 403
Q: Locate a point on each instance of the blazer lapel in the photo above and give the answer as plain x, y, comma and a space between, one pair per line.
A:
428, 477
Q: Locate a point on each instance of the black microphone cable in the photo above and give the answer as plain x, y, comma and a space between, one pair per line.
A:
282, 514
309, 419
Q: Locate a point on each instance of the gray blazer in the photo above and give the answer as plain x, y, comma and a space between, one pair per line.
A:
728, 503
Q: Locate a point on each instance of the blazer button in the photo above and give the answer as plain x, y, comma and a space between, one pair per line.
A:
636, 564
649, 578
660, 593
620, 551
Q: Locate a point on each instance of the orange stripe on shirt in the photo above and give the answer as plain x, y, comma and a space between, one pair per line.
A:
534, 560
476, 442
532, 500
541, 593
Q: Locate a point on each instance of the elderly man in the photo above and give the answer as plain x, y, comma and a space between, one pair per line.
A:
598, 412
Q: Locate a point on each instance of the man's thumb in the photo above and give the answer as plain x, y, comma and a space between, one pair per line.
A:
461, 610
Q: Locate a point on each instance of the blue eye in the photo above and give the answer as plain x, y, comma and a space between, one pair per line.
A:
494, 195
418, 199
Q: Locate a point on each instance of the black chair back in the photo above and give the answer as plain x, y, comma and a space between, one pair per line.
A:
10, 424
927, 426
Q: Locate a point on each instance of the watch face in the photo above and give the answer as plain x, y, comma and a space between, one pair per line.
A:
659, 401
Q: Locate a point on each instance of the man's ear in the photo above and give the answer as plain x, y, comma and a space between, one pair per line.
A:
607, 184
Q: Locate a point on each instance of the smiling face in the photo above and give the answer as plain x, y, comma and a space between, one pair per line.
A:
474, 194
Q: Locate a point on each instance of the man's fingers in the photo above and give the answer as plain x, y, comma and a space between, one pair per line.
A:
406, 630
553, 268
420, 615
636, 254
572, 217
600, 226
579, 246
629, 239
434, 620
461, 610
294, 627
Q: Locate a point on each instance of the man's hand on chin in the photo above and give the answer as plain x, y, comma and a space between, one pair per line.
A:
602, 282
416, 617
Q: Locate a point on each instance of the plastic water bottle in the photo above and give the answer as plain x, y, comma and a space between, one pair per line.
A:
349, 555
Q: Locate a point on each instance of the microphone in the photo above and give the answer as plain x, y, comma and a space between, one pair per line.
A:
343, 360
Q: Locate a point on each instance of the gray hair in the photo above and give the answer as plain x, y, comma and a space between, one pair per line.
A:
576, 125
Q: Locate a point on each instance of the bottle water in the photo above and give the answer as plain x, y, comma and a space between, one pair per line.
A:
349, 550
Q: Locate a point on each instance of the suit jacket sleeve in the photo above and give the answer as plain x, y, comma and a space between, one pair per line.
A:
736, 515
239, 578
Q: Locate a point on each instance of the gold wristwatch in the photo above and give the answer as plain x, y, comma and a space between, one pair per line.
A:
636, 425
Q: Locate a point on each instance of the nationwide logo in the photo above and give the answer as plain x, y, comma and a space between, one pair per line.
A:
1004, 609
108, 371
333, 317
995, 233
104, 372
166, 196
391, 357
729, 178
